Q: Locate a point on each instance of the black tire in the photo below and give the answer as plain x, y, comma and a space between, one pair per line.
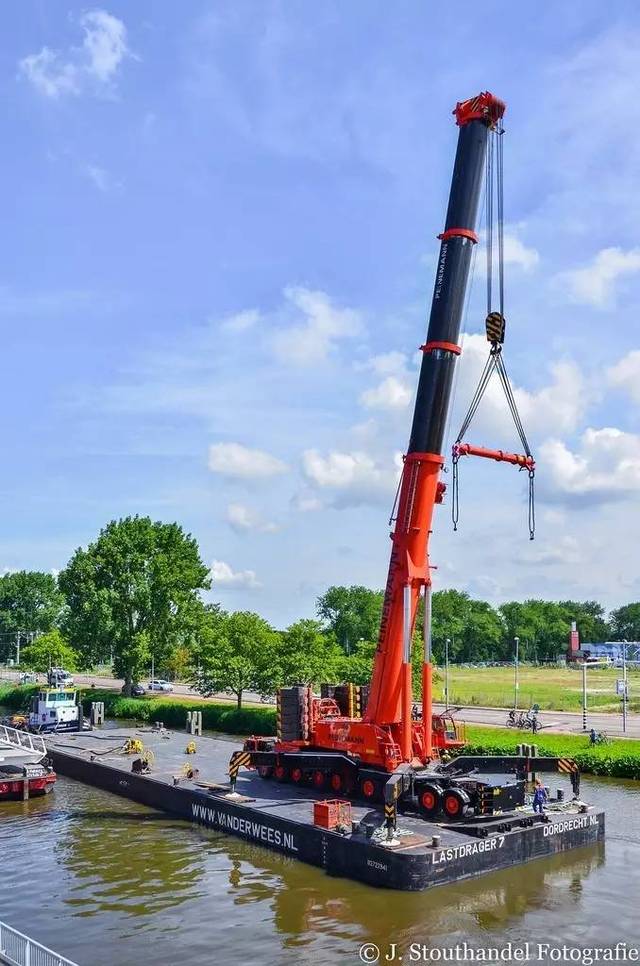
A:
429, 800
455, 804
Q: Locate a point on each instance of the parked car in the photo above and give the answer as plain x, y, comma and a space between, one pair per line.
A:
57, 677
137, 690
159, 684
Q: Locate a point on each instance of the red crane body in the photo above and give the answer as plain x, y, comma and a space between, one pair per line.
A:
387, 735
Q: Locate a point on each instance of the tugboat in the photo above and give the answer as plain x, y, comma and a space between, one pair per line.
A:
56, 709
25, 769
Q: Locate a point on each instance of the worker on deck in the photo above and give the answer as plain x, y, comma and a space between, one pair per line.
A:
539, 796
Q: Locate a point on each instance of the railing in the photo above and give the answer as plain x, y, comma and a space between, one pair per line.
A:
18, 950
22, 739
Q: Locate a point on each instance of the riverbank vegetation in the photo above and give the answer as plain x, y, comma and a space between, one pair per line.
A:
618, 759
139, 597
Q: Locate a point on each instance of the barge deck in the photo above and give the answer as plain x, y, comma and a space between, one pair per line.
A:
280, 817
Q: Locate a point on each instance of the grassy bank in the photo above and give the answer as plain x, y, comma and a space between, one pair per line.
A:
172, 711
553, 688
620, 759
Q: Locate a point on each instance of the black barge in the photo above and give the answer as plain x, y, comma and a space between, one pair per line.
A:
281, 817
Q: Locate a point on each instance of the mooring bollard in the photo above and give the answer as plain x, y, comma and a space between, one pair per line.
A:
97, 712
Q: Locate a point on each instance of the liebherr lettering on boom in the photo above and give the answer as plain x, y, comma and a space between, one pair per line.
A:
366, 742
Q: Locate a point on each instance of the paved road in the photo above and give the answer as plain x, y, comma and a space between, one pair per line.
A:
565, 722
183, 690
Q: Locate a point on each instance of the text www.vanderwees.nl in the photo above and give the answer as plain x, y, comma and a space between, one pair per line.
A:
216, 818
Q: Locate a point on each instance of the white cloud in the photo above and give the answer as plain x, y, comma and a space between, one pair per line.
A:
516, 253
391, 393
322, 326
354, 478
236, 461
555, 408
242, 518
223, 575
104, 47
626, 374
595, 283
99, 176
605, 467
241, 321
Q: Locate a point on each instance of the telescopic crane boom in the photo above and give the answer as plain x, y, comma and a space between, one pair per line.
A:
390, 699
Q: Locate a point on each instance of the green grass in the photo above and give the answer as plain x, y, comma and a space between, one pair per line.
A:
553, 688
620, 759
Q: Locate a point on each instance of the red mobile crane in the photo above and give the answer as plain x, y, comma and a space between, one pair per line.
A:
383, 752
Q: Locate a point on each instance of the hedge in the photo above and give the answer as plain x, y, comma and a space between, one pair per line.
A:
620, 759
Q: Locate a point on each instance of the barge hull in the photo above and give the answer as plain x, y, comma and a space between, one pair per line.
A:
281, 818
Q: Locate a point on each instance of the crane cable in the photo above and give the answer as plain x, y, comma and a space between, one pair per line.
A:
495, 327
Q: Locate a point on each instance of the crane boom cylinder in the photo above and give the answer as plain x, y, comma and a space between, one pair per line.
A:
419, 486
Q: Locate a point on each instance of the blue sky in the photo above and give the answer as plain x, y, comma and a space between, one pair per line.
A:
217, 259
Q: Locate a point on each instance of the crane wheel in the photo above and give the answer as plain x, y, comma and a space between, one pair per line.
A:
281, 773
429, 800
265, 771
369, 789
337, 782
454, 803
297, 776
319, 780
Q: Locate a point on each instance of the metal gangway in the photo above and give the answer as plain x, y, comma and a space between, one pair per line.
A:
17, 949
16, 741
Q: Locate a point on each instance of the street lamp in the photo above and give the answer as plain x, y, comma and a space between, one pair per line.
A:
516, 684
624, 685
446, 673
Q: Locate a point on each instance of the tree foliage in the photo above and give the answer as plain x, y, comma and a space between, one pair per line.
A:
237, 652
134, 592
352, 614
30, 601
49, 650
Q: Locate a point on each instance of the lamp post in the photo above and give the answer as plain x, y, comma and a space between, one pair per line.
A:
516, 683
446, 673
624, 685
584, 695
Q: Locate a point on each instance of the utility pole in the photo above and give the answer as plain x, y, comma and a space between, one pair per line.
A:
584, 695
446, 673
18, 648
624, 685
516, 683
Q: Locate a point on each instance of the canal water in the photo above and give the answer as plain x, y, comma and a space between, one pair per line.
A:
111, 883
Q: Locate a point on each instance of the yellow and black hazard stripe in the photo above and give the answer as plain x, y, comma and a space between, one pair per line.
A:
390, 812
239, 759
567, 765
495, 326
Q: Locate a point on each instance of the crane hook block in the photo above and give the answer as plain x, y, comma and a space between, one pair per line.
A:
495, 326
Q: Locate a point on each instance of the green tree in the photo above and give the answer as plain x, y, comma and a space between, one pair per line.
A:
306, 655
133, 592
237, 652
352, 614
590, 617
543, 627
625, 622
49, 650
30, 600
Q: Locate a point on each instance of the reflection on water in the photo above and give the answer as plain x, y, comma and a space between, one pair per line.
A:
103, 880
